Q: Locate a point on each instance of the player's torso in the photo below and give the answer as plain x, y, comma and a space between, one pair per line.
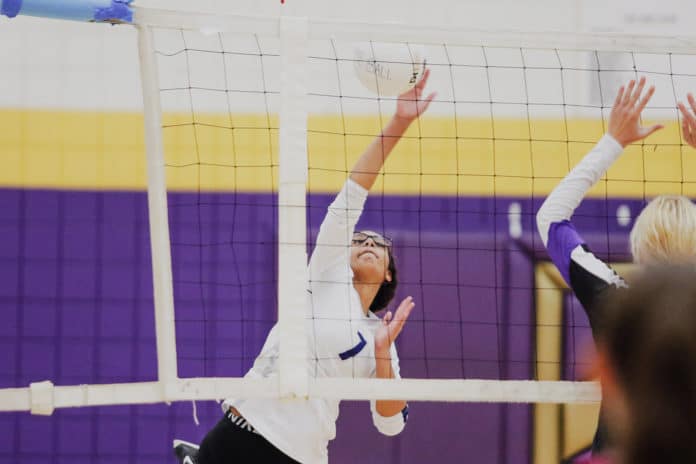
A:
340, 335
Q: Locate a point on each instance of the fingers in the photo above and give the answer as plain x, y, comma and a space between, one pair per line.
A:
424, 80
683, 110
405, 308
688, 133
691, 137
624, 121
692, 102
646, 98
688, 115
638, 92
401, 316
628, 93
427, 102
619, 96
688, 122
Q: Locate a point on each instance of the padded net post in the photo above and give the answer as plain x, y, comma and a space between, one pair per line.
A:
158, 212
292, 251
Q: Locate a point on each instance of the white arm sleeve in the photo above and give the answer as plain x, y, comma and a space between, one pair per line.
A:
393, 425
562, 201
332, 250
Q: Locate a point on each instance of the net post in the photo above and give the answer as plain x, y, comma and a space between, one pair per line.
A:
292, 229
157, 211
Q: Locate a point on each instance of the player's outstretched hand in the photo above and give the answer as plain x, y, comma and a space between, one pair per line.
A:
411, 104
689, 120
624, 121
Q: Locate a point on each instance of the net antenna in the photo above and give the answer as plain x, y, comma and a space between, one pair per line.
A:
294, 35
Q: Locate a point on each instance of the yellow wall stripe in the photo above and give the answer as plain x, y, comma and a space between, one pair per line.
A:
440, 156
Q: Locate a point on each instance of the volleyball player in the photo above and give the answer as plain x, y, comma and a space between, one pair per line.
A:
352, 276
664, 232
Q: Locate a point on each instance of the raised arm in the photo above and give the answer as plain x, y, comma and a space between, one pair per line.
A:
689, 121
335, 233
624, 129
409, 107
389, 416
561, 203
584, 273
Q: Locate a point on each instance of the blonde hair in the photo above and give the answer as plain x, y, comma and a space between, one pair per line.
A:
665, 232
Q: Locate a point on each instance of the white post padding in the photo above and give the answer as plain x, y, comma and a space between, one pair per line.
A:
42, 398
292, 222
215, 388
449, 390
157, 210
453, 390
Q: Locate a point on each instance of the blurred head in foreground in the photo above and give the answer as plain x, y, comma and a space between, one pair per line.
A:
647, 365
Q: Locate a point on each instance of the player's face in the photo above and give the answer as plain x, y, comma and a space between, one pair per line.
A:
369, 257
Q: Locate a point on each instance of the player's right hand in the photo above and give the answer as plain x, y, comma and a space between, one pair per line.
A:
624, 121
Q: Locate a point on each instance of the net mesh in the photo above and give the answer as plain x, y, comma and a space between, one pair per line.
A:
219, 99
457, 197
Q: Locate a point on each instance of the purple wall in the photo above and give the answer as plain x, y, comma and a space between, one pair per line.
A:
75, 290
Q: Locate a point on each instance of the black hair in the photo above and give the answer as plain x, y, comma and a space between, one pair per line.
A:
387, 290
648, 336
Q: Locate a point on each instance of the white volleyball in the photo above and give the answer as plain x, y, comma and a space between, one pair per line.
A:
389, 69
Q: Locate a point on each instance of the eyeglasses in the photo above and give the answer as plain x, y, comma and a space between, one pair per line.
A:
361, 237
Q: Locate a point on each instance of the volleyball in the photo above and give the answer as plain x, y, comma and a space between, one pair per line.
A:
389, 69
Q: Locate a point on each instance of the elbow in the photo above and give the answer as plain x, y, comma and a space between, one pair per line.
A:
391, 431
391, 426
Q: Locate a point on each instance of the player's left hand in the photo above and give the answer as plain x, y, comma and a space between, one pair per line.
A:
410, 104
392, 324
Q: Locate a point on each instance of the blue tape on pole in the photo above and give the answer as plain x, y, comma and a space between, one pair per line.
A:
113, 11
118, 12
11, 8
75, 10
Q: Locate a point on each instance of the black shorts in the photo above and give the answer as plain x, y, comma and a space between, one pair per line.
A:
233, 439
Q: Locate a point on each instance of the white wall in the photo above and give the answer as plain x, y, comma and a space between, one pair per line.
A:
449, 13
56, 64
53, 64
673, 17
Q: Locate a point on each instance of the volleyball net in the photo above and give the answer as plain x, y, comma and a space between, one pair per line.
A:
251, 127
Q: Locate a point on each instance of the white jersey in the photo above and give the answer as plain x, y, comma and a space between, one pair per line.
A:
341, 344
